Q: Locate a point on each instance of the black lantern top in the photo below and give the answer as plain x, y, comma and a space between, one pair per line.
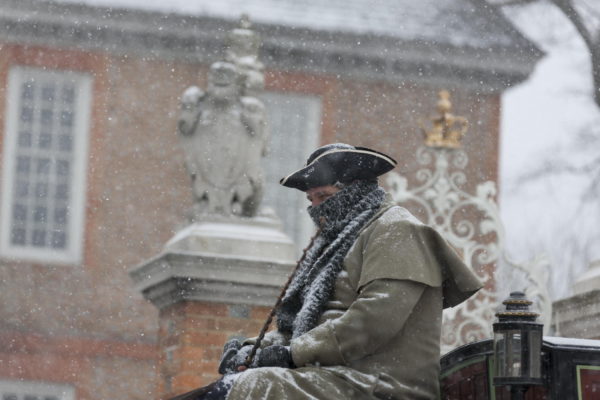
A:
517, 309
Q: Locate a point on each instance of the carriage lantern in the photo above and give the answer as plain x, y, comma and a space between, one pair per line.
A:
517, 346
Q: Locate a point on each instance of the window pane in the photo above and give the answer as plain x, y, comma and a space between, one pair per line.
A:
24, 139
60, 216
23, 164
68, 94
66, 118
45, 140
22, 189
41, 190
65, 142
34, 390
62, 168
19, 212
39, 238
46, 117
59, 240
26, 114
39, 214
27, 91
62, 192
43, 166
48, 93
17, 236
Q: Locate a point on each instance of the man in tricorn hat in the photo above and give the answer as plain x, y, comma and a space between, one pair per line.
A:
361, 317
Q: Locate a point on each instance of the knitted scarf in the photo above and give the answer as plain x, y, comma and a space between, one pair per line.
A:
341, 218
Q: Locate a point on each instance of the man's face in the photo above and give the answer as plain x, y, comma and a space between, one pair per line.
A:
319, 194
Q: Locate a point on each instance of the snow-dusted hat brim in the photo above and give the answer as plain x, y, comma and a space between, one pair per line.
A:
343, 165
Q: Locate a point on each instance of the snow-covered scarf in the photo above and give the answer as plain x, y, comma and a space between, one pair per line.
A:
341, 218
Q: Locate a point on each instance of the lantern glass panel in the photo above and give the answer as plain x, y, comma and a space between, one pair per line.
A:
535, 350
508, 350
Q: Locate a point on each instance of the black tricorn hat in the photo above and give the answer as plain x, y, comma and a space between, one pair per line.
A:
339, 162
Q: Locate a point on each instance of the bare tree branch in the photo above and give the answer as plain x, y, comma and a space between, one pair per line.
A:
555, 167
508, 3
591, 10
566, 6
591, 192
590, 38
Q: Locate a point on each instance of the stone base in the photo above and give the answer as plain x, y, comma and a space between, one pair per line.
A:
578, 316
259, 238
230, 261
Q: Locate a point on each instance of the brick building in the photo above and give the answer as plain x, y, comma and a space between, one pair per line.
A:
93, 180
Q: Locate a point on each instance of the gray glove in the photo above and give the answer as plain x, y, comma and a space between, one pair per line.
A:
234, 355
229, 352
275, 356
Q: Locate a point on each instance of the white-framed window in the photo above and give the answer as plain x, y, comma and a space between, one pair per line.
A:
29, 390
44, 164
295, 127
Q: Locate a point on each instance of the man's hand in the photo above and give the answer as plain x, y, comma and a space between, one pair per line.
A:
230, 350
234, 356
275, 356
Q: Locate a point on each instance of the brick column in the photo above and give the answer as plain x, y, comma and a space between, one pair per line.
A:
210, 288
191, 338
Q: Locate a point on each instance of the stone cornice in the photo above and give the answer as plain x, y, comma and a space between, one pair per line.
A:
200, 39
173, 277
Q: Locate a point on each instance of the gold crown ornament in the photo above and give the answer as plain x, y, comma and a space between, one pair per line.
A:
445, 129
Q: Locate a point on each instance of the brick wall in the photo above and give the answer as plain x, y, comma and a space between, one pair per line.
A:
84, 325
97, 369
191, 338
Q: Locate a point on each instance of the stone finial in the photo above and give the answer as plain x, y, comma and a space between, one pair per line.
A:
242, 50
446, 129
223, 132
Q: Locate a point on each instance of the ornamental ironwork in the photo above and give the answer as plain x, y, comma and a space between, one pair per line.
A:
471, 223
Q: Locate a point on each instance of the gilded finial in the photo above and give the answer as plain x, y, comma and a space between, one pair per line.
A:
446, 129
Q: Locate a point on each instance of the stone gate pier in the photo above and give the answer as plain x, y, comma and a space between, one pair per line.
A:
218, 277
214, 280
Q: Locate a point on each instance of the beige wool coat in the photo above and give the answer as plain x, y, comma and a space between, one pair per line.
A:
379, 337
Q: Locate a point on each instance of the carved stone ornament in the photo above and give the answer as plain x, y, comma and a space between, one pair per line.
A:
224, 134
